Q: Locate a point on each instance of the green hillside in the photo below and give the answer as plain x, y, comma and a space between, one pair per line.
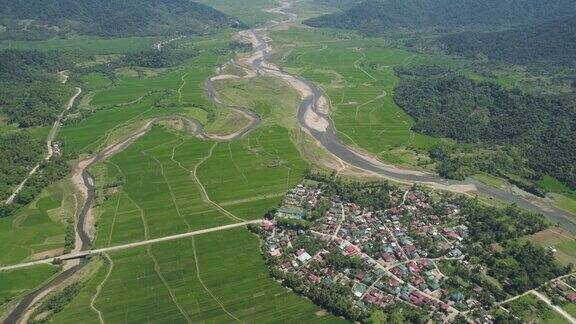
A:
41, 19
374, 16
519, 130
551, 42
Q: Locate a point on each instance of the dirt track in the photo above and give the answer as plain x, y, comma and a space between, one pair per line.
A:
49, 140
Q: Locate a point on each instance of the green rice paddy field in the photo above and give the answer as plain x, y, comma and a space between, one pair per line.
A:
38, 227
359, 80
133, 96
161, 195
217, 277
85, 44
16, 282
248, 11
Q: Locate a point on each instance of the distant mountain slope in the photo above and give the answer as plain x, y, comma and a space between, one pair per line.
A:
30, 94
378, 15
553, 42
36, 19
340, 4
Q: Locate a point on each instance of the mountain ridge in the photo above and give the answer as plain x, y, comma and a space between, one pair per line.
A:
41, 19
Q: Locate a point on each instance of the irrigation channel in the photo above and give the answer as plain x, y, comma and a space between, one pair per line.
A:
313, 117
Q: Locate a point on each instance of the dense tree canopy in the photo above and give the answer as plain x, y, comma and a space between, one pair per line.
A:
153, 58
371, 195
48, 18
521, 267
30, 94
540, 128
495, 225
549, 43
20, 152
373, 16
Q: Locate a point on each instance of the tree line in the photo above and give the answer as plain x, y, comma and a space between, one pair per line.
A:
20, 152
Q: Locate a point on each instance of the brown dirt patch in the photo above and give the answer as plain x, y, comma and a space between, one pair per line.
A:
551, 234
47, 254
321, 313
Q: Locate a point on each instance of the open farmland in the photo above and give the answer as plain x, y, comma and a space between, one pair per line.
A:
160, 197
37, 228
139, 94
560, 240
359, 80
85, 44
16, 282
248, 11
80, 310
271, 98
249, 176
186, 80
264, 163
358, 76
216, 277
88, 134
570, 308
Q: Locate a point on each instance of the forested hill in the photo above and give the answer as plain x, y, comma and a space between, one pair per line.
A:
553, 43
340, 4
30, 91
373, 16
534, 132
37, 19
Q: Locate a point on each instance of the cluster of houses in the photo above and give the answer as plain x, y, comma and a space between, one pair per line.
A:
56, 150
394, 265
298, 200
562, 290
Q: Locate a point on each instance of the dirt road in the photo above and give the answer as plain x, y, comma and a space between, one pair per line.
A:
82, 254
49, 140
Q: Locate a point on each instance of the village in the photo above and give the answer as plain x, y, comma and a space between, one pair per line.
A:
379, 256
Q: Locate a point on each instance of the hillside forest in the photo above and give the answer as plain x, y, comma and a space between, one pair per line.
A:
506, 132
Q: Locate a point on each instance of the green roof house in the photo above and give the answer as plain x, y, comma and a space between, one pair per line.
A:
289, 212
